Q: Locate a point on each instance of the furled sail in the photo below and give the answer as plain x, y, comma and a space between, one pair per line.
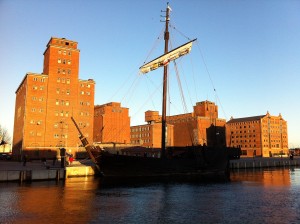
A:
166, 58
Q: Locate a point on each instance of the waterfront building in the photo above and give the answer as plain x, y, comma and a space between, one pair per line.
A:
201, 127
149, 135
264, 135
111, 123
45, 103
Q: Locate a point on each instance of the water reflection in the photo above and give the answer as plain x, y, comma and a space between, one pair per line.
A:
269, 196
276, 177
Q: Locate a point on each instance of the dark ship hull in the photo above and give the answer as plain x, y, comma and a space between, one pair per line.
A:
188, 163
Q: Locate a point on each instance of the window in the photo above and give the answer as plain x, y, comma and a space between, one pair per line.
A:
35, 87
57, 90
82, 92
56, 113
56, 135
67, 103
68, 81
59, 60
88, 85
69, 62
58, 79
63, 71
69, 53
42, 79
69, 71
68, 92
64, 61
64, 53
35, 79
59, 51
57, 102
41, 87
88, 93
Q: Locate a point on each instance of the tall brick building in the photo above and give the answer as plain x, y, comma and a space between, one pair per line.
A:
111, 123
45, 102
200, 127
263, 135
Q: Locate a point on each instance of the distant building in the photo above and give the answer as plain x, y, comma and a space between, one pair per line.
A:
149, 135
45, 102
263, 135
202, 127
111, 123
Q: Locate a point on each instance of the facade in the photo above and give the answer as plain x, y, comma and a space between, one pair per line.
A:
149, 135
45, 103
202, 127
263, 135
111, 123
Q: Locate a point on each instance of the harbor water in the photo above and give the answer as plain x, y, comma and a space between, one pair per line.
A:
252, 196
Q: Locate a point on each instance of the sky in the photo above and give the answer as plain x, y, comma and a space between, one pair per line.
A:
245, 59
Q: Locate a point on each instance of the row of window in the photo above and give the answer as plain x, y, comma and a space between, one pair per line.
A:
243, 123
37, 79
249, 136
140, 142
140, 135
62, 91
63, 71
36, 87
34, 98
63, 61
65, 52
63, 80
64, 42
239, 132
237, 141
61, 113
82, 103
245, 146
62, 102
139, 129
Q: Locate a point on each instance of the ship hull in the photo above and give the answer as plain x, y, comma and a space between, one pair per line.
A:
194, 163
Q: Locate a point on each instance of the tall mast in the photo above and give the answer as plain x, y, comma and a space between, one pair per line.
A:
165, 79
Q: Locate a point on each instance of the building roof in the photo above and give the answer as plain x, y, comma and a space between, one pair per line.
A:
243, 119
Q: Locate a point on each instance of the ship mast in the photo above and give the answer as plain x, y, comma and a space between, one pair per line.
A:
165, 80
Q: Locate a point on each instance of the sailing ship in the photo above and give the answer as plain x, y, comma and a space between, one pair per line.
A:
191, 162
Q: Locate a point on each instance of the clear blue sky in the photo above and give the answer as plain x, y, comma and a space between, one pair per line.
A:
251, 50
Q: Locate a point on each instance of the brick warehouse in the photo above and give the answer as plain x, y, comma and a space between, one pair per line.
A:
149, 135
263, 135
111, 123
200, 127
45, 102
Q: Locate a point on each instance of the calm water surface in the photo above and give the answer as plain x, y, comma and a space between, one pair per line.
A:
270, 196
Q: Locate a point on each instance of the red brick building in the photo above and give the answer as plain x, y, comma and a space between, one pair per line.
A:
263, 135
45, 102
149, 135
111, 123
200, 127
